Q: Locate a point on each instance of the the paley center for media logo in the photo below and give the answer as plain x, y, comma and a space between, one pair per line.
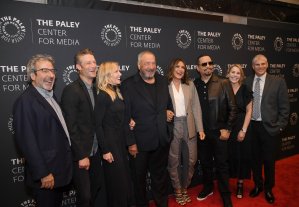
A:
70, 74
183, 39
237, 41
278, 44
111, 35
12, 29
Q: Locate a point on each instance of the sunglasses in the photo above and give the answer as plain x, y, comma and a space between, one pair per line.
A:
205, 64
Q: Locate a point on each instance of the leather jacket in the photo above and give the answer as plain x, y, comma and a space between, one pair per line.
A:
222, 104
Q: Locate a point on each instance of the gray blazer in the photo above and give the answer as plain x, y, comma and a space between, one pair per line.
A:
275, 107
193, 108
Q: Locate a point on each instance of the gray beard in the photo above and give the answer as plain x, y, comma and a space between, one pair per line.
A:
145, 77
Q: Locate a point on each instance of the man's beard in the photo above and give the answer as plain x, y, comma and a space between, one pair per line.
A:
146, 77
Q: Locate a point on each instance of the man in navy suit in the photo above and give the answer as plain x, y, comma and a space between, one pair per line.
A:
270, 116
147, 100
42, 135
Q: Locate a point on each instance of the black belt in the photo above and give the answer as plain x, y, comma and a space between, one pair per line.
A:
254, 121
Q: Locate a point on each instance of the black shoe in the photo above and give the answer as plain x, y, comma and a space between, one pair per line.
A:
255, 191
227, 202
239, 190
204, 194
269, 197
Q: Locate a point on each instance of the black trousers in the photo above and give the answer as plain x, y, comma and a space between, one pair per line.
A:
47, 197
154, 162
264, 150
213, 148
89, 183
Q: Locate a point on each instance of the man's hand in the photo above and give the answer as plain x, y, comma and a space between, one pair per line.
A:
133, 150
170, 115
47, 182
84, 163
202, 135
224, 134
132, 124
108, 157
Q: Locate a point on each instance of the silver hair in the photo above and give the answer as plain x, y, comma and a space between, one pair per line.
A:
143, 53
33, 60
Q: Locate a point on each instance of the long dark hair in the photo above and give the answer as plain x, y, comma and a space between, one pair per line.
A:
171, 68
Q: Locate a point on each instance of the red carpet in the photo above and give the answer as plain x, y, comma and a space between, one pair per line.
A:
286, 190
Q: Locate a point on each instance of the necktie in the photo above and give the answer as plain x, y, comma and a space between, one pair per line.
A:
256, 100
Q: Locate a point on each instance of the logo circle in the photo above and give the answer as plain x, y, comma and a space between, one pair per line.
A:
111, 35
218, 69
12, 29
237, 41
296, 70
293, 118
69, 73
160, 70
28, 203
10, 124
183, 39
278, 44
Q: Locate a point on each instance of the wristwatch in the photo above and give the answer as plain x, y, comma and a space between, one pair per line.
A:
243, 130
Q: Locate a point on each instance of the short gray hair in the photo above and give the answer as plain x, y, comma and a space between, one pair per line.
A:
33, 60
143, 53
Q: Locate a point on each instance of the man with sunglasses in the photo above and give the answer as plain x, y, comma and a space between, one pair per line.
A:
41, 134
218, 113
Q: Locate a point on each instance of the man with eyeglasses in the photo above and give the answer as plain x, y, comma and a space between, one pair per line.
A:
77, 102
218, 114
41, 134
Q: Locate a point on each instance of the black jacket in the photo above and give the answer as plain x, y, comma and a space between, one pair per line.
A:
222, 105
79, 117
150, 131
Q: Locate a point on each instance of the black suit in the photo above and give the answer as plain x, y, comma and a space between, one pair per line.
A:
41, 137
274, 113
79, 115
147, 105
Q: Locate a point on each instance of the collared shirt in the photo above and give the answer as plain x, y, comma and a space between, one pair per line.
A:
202, 90
91, 96
48, 95
262, 84
179, 99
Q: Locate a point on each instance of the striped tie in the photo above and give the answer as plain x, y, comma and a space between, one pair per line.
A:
256, 100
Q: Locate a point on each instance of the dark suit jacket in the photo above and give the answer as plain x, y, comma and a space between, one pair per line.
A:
79, 117
151, 126
275, 107
42, 139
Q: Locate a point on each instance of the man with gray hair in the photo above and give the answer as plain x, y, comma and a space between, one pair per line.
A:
42, 135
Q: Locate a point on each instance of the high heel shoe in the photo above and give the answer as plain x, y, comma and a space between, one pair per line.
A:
179, 198
239, 190
186, 196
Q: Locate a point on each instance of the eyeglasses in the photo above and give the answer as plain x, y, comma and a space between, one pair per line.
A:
205, 64
47, 70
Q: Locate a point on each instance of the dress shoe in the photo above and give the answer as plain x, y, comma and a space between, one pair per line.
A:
255, 192
269, 197
227, 202
239, 190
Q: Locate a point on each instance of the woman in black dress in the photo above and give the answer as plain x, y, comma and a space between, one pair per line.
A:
110, 132
239, 142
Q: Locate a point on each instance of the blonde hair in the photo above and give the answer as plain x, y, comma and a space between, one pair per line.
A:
103, 79
242, 77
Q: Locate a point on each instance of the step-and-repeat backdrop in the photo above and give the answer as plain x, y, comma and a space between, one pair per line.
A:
27, 29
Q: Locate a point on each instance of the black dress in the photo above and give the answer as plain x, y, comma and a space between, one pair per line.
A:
110, 132
240, 152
